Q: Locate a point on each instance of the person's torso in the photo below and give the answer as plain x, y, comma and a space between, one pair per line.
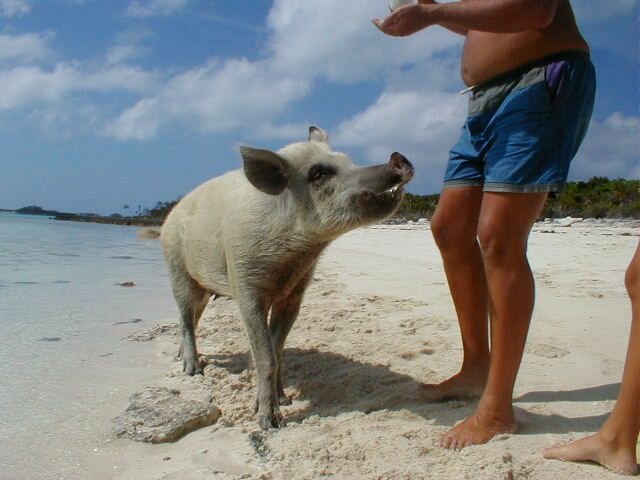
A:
487, 54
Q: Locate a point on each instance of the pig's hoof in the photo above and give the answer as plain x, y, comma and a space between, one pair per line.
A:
284, 400
272, 420
193, 368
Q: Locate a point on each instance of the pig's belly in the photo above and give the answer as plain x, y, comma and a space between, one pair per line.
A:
210, 272
213, 281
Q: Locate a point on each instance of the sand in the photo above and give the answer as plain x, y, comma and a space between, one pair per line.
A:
377, 320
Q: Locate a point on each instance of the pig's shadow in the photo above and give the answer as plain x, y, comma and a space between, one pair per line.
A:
332, 384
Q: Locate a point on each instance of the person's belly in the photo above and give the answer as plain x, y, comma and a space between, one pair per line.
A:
486, 54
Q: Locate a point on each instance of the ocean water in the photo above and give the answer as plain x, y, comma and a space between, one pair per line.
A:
64, 369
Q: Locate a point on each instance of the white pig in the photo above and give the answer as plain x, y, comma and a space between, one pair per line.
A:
256, 236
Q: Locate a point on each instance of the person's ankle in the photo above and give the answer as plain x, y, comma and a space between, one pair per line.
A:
495, 409
477, 366
615, 439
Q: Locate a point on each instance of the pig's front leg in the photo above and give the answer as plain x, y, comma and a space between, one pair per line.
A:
283, 315
253, 308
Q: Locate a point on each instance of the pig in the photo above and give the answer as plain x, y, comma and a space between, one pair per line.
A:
256, 234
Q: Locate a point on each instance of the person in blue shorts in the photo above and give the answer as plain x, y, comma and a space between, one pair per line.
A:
531, 93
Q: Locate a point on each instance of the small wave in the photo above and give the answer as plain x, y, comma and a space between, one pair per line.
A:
50, 339
61, 282
122, 257
25, 283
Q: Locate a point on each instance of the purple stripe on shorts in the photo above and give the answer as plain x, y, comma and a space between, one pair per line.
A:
554, 77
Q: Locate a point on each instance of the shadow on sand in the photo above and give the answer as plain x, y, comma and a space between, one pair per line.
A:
590, 394
536, 423
333, 384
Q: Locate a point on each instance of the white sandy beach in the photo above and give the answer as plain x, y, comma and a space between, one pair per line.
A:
377, 320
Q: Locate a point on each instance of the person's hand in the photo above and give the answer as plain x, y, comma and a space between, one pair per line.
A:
406, 20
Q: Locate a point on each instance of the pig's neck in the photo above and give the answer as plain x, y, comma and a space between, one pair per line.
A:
295, 221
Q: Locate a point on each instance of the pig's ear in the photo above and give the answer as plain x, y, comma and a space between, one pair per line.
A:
318, 135
265, 170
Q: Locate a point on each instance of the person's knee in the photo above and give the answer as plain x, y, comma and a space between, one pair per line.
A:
451, 234
498, 244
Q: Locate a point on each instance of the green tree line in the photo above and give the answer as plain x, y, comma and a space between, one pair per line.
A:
598, 197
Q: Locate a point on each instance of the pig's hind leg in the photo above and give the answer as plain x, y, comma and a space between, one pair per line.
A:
192, 300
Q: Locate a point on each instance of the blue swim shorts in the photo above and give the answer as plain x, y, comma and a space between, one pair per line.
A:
525, 126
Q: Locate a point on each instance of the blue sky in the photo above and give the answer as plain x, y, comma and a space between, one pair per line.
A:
107, 103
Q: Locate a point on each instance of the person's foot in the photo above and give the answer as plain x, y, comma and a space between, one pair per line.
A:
596, 449
479, 428
466, 384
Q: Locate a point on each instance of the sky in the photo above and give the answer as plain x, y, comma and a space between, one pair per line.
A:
107, 103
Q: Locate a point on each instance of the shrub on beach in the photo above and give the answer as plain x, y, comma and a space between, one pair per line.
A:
598, 197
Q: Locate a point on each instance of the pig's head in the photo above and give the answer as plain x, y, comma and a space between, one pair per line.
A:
328, 193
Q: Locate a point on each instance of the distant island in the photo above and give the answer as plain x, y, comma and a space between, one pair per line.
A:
599, 197
36, 210
113, 219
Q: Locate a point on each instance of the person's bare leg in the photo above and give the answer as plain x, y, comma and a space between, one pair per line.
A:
505, 222
454, 227
614, 445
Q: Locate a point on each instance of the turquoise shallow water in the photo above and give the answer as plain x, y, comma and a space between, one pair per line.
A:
63, 366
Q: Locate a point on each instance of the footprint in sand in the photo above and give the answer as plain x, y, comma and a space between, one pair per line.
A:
546, 351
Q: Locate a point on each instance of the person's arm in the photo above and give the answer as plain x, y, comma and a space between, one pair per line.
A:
448, 26
499, 16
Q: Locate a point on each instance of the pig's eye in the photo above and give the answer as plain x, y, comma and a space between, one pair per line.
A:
319, 172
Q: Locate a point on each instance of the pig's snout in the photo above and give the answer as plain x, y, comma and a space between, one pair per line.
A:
401, 166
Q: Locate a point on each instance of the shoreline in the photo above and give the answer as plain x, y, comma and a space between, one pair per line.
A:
125, 221
568, 221
378, 319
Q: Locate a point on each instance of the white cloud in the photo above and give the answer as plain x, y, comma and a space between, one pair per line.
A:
336, 39
593, 10
129, 46
152, 8
140, 122
307, 43
25, 47
14, 8
610, 149
31, 85
217, 97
